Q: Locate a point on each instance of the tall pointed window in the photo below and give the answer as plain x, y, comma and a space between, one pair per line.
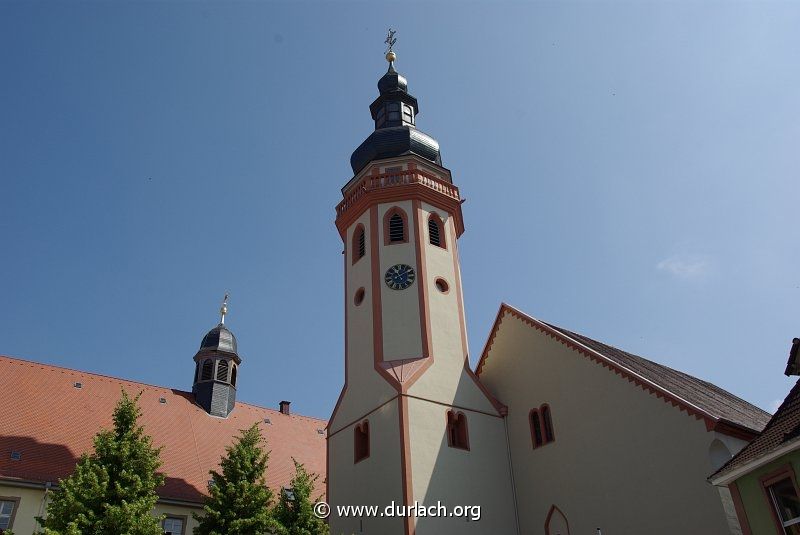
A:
359, 244
208, 370
541, 423
547, 424
536, 428
436, 231
395, 227
361, 441
222, 371
457, 434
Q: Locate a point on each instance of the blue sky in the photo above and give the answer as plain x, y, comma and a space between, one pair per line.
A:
630, 169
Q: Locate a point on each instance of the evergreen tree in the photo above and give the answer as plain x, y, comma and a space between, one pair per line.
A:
240, 500
113, 490
295, 511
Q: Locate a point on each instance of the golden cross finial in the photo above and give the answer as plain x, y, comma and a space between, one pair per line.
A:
223, 309
390, 41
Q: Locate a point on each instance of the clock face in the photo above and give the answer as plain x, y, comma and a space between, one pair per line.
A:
399, 277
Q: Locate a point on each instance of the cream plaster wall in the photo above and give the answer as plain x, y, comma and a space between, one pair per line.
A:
402, 337
453, 476
446, 380
32, 504
623, 459
366, 389
375, 480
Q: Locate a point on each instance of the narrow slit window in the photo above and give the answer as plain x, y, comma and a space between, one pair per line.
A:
233, 375
547, 424
396, 228
208, 370
436, 231
222, 371
359, 244
536, 429
457, 435
361, 441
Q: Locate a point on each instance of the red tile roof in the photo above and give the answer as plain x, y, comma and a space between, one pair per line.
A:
51, 423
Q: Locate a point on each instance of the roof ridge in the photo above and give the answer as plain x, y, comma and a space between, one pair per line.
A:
33, 363
705, 382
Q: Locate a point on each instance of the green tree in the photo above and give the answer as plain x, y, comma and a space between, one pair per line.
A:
113, 490
239, 501
295, 510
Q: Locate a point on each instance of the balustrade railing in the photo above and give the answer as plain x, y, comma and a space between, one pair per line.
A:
394, 179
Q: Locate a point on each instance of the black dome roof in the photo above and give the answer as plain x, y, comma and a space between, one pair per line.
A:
392, 81
220, 339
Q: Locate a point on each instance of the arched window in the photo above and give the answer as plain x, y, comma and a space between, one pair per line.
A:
395, 227
547, 424
436, 231
359, 244
208, 370
536, 428
457, 435
556, 523
361, 441
233, 375
222, 371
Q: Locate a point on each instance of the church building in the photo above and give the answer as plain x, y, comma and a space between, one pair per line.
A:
552, 433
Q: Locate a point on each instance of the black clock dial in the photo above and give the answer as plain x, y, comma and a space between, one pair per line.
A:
399, 277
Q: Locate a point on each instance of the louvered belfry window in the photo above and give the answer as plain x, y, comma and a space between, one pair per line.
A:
208, 370
396, 230
222, 371
362, 243
434, 232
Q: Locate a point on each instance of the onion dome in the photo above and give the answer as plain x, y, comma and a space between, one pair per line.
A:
394, 113
219, 339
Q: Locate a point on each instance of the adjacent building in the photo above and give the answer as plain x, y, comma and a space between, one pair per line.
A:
762, 477
51, 414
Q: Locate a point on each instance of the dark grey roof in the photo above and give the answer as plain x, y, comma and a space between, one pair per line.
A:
784, 427
220, 339
707, 396
395, 132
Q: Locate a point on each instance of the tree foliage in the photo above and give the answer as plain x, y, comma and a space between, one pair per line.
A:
294, 511
112, 490
239, 501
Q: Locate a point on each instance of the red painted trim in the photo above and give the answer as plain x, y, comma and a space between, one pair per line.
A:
784, 472
733, 430
553, 509
741, 512
643, 383
501, 409
377, 311
398, 194
391, 212
405, 461
441, 280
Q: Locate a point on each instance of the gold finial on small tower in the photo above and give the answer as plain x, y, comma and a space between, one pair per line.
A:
223, 309
390, 41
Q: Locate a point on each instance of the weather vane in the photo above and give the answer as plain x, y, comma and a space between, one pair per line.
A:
390, 41
223, 309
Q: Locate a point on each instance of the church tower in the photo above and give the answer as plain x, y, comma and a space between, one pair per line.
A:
216, 367
413, 423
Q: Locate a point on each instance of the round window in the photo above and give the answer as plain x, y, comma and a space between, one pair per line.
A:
442, 285
359, 297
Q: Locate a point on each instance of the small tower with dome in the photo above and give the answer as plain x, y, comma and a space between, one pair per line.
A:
216, 369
